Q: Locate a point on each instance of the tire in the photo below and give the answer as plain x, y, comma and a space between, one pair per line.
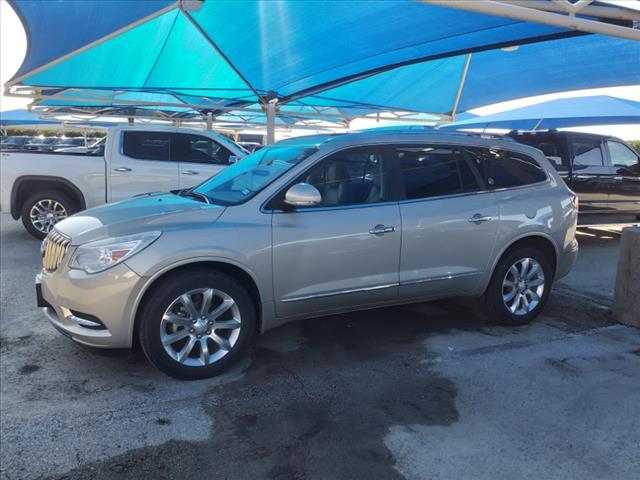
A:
47, 202
500, 297
166, 297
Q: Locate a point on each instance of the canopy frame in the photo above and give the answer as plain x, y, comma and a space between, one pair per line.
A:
36, 93
531, 11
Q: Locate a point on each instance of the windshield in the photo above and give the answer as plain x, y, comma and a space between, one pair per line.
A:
242, 180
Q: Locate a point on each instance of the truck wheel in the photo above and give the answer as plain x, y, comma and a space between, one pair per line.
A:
42, 210
519, 287
197, 324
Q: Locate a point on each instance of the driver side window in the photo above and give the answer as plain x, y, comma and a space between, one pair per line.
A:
351, 177
198, 149
621, 155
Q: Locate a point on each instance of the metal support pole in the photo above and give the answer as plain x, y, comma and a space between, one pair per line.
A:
454, 110
538, 123
271, 121
209, 121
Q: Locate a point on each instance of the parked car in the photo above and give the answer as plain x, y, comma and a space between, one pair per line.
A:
604, 171
41, 144
308, 227
43, 189
15, 142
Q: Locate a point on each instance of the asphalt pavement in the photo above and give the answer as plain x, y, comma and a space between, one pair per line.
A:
426, 391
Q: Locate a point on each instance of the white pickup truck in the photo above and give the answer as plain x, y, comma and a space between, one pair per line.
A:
44, 188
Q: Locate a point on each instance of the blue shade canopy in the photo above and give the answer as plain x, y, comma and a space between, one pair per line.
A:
563, 112
357, 55
57, 28
498, 75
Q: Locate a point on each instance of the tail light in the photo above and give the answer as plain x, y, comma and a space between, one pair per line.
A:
574, 200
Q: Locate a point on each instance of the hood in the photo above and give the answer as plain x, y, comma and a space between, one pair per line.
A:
139, 214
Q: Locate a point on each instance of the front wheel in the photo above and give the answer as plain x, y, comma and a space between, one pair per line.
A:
42, 210
197, 324
519, 287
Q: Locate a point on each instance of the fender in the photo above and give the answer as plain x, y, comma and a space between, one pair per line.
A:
149, 281
15, 208
522, 237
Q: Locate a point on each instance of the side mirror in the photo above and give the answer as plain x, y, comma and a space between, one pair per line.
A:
302, 195
233, 159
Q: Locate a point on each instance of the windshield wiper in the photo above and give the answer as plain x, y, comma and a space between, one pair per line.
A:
194, 194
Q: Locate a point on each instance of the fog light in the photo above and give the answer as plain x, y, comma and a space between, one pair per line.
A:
83, 319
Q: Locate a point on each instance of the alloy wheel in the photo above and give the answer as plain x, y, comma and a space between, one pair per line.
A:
45, 213
200, 327
523, 286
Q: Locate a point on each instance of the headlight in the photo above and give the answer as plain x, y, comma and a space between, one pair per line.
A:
98, 256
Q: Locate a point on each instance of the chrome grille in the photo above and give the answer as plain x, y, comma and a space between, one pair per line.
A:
57, 245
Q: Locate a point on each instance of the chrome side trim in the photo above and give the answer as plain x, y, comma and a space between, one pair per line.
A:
441, 277
338, 292
338, 207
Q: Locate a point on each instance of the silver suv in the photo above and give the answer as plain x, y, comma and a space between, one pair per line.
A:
308, 227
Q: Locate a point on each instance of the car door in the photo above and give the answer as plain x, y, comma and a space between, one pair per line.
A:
199, 157
143, 165
449, 222
590, 173
344, 252
624, 188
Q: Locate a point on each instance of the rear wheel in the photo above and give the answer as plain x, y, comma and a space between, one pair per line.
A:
519, 287
42, 210
197, 324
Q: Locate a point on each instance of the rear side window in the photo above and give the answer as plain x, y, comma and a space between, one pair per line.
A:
506, 169
198, 149
146, 145
587, 152
433, 171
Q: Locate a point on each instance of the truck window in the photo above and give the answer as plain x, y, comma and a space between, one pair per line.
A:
146, 145
621, 155
548, 145
187, 147
587, 152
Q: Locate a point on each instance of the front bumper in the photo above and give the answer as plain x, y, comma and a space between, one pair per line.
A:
108, 297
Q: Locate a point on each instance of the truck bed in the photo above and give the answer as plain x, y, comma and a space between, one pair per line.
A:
87, 171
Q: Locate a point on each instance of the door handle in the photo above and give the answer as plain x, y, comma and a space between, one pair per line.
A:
190, 172
478, 219
122, 169
382, 229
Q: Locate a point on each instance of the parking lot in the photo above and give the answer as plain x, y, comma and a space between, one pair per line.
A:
423, 391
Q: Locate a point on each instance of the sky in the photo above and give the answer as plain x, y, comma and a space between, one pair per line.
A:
13, 45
